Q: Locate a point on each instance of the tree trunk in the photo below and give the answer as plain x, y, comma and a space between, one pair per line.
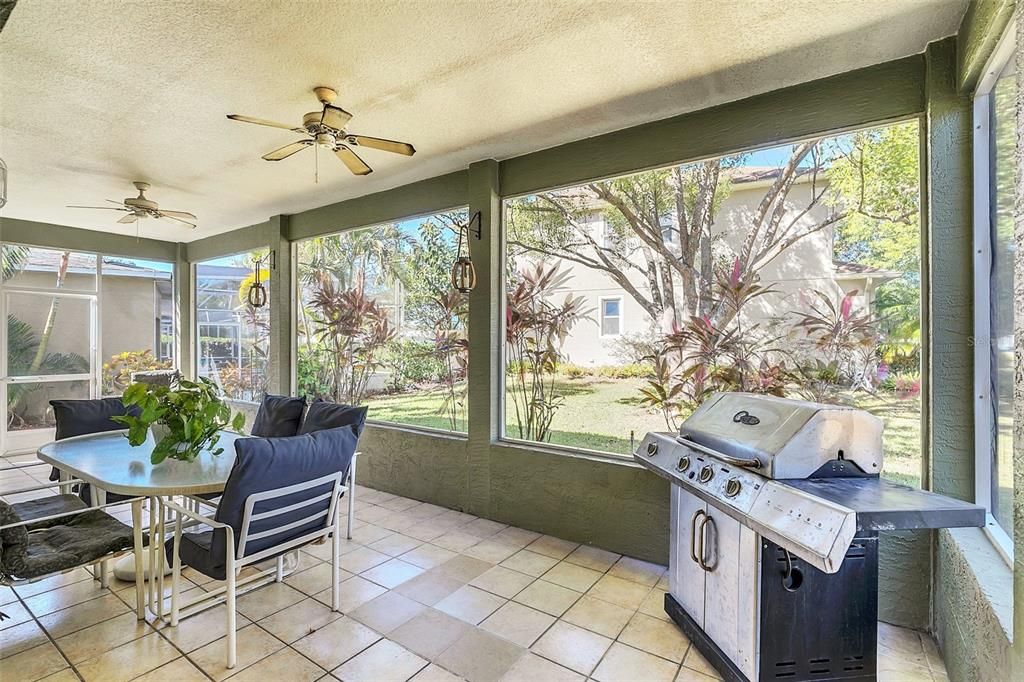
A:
51, 316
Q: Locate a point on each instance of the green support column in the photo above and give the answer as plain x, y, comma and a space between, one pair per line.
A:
948, 278
281, 297
183, 312
485, 310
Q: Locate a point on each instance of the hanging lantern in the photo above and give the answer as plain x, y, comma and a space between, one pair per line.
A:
463, 272
463, 275
257, 295
3, 183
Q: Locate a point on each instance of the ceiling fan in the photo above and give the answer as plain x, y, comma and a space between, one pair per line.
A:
141, 207
326, 128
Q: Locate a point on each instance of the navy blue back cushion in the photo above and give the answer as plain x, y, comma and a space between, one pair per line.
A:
268, 463
279, 416
325, 415
82, 417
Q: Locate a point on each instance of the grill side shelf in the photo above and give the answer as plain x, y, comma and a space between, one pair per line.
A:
885, 505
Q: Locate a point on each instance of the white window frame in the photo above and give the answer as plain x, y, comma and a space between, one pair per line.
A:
601, 316
983, 425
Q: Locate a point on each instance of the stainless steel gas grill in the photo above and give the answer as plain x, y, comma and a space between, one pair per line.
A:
775, 512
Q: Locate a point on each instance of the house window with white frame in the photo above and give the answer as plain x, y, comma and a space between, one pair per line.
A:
611, 316
995, 173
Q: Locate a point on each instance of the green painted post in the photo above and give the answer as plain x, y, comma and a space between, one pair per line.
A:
485, 310
281, 296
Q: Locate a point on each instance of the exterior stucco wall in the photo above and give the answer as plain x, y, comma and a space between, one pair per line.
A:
973, 606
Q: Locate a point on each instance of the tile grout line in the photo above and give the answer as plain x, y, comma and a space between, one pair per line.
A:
49, 637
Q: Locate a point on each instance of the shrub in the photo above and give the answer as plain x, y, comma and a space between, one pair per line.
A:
118, 370
411, 362
573, 371
633, 370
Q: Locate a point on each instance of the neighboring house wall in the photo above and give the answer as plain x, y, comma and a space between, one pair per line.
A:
130, 314
806, 265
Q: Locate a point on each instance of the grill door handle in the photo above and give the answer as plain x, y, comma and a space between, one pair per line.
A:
702, 550
693, 536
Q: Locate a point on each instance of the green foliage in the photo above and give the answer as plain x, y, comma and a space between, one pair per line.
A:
118, 370
411, 362
877, 172
192, 412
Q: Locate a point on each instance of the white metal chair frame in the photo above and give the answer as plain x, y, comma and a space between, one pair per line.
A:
236, 561
99, 566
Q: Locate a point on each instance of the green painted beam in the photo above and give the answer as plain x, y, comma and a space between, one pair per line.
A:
48, 235
241, 240
982, 27
419, 198
884, 92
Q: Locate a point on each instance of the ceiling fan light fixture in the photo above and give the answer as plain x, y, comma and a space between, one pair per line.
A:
326, 140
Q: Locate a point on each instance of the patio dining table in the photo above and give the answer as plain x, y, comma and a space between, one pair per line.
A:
110, 464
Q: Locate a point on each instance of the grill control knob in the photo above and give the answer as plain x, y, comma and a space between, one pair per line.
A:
706, 473
683, 464
732, 487
652, 449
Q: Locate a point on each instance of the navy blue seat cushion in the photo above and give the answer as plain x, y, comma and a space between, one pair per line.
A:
82, 417
278, 416
325, 415
263, 464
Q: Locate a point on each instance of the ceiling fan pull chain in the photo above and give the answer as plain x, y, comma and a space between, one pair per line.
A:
316, 164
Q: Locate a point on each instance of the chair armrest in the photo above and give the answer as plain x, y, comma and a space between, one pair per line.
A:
63, 514
193, 515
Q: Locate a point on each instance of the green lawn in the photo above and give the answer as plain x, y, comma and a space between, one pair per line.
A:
602, 414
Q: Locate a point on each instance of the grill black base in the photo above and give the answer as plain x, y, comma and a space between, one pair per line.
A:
824, 627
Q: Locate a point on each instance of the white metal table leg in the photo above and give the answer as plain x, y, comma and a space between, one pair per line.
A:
65, 488
140, 586
98, 497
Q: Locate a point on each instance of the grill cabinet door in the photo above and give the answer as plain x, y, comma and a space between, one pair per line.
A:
686, 581
730, 602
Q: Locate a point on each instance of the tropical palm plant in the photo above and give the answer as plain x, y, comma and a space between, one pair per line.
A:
535, 331
351, 328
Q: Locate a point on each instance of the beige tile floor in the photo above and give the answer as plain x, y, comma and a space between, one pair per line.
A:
429, 594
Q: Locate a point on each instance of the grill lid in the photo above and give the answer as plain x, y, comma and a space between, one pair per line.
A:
786, 438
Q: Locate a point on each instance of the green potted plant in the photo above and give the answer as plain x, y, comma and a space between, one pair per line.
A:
186, 418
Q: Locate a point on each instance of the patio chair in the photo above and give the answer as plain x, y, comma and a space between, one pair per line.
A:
51, 535
327, 415
278, 416
281, 494
83, 417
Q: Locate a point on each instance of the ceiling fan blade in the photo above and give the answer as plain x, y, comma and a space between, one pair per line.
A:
264, 122
130, 218
187, 223
102, 208
287, 150
353, 162
381, 144
182, 215
335, 117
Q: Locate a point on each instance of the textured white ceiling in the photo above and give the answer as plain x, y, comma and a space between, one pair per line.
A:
95, 94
